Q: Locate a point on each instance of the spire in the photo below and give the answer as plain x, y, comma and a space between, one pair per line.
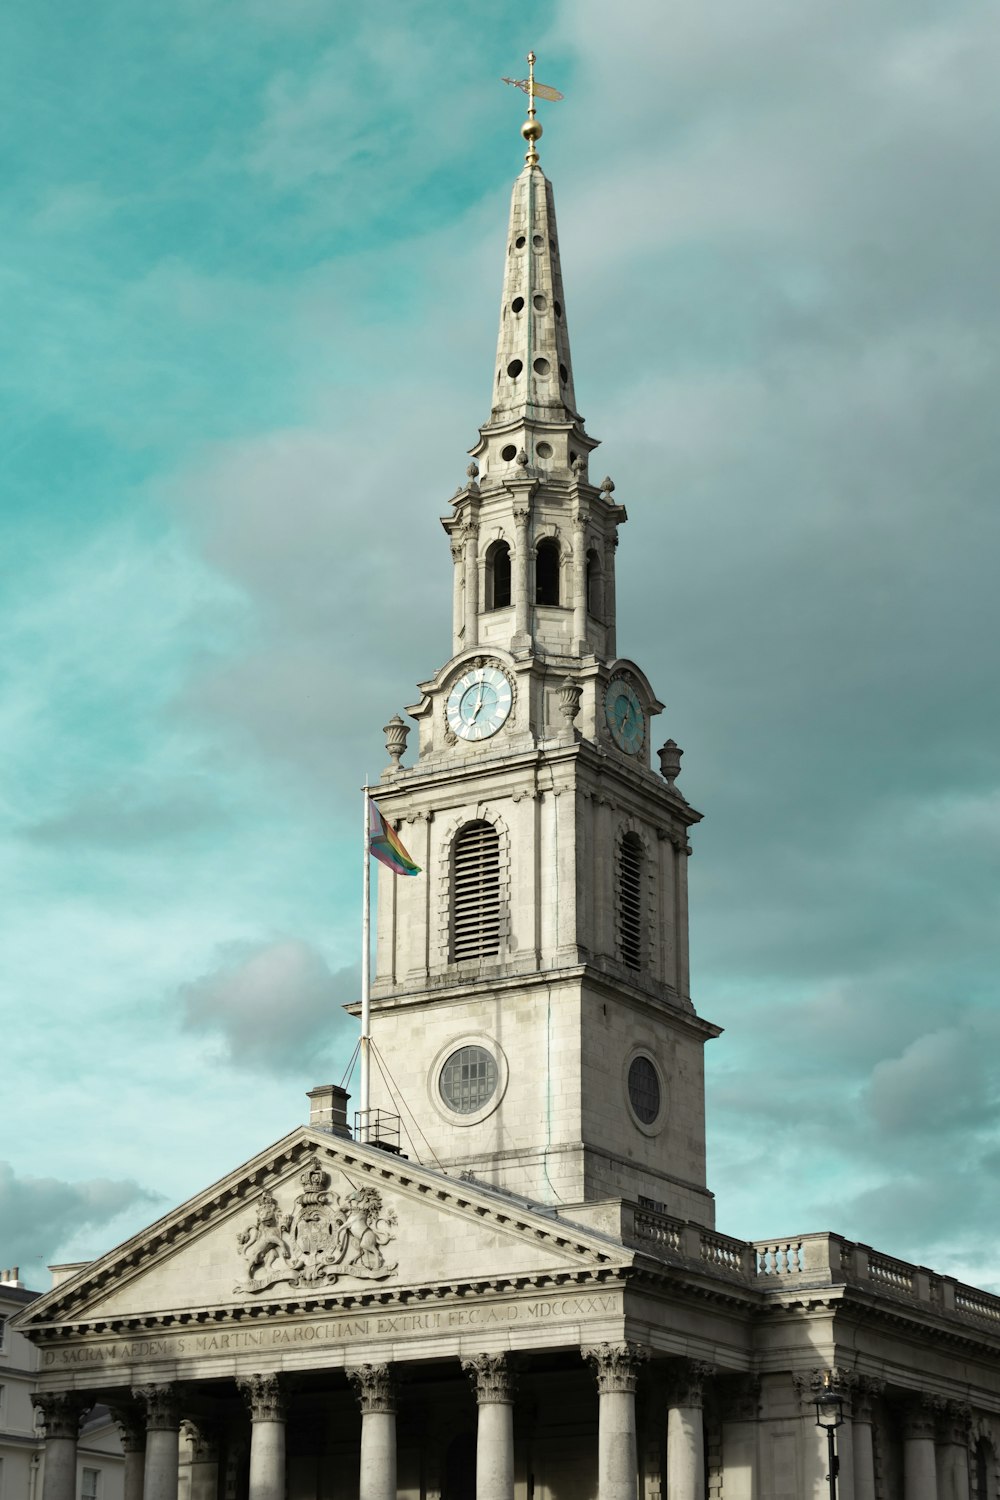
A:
534, 373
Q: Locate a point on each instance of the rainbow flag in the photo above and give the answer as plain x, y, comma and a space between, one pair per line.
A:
384, 843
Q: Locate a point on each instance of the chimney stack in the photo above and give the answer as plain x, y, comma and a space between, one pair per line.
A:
328, 1109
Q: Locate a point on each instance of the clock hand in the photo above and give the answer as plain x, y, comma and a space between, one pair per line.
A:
478, 708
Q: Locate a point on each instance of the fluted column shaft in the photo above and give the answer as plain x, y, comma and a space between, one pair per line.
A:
616, 1367
159, 1402
265, 1399
470, 535
493, 1384
376, 1392
61, 1411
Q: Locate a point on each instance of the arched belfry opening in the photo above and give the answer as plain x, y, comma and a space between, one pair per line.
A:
595, 585
547, 571
497, 591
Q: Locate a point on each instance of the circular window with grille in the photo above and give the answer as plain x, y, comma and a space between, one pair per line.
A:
468, 1078
645, 1092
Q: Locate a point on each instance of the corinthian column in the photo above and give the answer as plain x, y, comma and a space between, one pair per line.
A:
579, 584
62, 1411
265, 1399
919, 1463
865, 1392
457, 604
470, 534
617, 1369
493, 1384
522, 636
954, 1421
376, 1391
685, 1431
132, 1431
159, 1402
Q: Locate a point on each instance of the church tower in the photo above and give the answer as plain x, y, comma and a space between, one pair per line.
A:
531, 1020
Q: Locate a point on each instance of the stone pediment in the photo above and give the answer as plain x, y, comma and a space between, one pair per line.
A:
319, 1219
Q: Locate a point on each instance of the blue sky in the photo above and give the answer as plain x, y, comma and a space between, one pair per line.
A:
250, 272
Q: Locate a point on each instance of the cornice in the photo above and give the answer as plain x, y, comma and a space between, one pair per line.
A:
365, 1300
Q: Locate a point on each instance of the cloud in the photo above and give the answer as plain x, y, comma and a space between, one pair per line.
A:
42, 1216
275, 1008
940, 1082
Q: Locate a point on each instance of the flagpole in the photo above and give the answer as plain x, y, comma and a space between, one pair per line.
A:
366, 1015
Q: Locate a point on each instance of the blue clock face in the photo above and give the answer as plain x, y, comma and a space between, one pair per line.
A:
479, 703
625, 717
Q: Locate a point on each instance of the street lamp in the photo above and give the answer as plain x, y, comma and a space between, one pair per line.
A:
830, 1416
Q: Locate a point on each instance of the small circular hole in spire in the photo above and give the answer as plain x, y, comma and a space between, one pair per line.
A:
514, 368
538, 302
517, 305
541, 366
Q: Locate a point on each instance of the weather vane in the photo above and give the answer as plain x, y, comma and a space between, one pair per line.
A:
531, 129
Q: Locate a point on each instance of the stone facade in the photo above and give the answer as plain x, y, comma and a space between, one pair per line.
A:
532, 1301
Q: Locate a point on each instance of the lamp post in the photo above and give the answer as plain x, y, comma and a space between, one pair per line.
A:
830, 1416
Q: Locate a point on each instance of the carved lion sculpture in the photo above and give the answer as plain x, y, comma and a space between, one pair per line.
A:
265, 1241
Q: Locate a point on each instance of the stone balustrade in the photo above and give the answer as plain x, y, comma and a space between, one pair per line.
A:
815, 1259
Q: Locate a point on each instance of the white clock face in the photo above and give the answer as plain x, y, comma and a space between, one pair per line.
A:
479, 703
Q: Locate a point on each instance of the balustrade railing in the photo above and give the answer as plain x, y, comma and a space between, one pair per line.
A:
815, 1259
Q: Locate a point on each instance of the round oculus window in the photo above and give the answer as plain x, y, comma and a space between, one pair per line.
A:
644, 1089
469, 1080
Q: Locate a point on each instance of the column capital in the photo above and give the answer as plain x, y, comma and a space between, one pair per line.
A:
920, 1417
810, 1384
204, 1440
160, 1404
866, 1391
739, 1397
521, 514
686, 1381
131, 1425
492, 1378
264, 1395
954, 1422
61, 1411
375, 1387
616, 1366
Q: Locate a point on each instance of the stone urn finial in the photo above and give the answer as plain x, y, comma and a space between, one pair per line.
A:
607, 487
472, 474
570, 693
579, 467
396, 734
670, 762
522, 463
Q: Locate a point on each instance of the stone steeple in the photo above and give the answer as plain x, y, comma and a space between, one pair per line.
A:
533, 379
531, 1002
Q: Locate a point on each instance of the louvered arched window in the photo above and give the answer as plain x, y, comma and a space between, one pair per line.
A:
630, 862
475, 892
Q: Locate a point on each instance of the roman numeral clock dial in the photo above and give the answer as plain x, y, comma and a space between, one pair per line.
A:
479, 703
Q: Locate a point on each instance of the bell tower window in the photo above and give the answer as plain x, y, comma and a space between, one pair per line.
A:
498, 576
630, 863
547, 572
595, 588
475, 893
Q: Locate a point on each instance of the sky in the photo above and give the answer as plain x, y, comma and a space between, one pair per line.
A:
250, 273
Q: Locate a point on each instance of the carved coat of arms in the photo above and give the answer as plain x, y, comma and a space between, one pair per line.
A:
325, 1236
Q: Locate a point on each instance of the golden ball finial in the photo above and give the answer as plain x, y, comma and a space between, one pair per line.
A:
531, 130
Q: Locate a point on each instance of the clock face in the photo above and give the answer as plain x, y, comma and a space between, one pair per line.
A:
625, 717
479, 703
